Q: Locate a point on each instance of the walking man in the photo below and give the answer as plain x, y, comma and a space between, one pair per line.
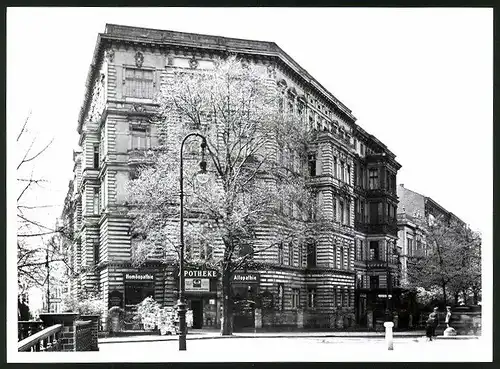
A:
435, 320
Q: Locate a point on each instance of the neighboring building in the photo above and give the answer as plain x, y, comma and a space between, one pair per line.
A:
414, 213
353, 172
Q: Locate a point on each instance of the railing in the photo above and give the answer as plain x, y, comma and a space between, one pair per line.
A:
48, 339
26, 328
83, 335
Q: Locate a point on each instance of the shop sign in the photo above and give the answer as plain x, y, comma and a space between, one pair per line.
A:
200, 273
139, 277
383, 296
246, 278
197, 284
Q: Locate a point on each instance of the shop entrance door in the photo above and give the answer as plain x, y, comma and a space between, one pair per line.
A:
197, 307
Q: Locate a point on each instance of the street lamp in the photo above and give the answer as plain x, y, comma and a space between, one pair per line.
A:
203, 178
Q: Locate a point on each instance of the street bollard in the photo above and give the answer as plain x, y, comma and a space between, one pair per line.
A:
388, 335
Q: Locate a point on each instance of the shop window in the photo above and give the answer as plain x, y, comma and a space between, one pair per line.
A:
311, 298
139, 83
374, 250
311, 254
295, 298
281, 296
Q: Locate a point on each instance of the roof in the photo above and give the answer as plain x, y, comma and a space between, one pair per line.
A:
152, 36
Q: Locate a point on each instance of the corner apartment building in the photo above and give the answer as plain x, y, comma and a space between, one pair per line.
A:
353, 173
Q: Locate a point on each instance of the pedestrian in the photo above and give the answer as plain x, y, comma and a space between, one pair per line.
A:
448, 316
429, 324
435, 319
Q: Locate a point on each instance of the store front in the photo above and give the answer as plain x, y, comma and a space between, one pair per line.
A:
200, 286
244, 292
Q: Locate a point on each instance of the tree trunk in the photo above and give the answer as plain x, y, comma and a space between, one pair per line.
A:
227, 310
456, 297
443, 284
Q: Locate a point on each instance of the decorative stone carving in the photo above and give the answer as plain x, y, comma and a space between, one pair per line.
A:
170, 60
138, 108
271, 71
193, 63
139, 59
98, 100
110, 55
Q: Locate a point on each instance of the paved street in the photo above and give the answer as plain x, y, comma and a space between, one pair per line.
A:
295, 349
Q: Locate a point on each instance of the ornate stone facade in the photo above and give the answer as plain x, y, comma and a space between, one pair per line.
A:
128, 67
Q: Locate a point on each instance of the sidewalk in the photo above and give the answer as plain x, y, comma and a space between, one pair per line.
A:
215, 334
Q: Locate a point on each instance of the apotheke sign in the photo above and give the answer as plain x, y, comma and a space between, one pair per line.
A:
200, 274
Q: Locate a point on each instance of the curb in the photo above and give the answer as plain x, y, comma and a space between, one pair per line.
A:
377, 336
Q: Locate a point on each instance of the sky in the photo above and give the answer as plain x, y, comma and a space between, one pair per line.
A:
420, 80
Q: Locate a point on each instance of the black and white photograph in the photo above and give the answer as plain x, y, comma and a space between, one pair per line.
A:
249, 184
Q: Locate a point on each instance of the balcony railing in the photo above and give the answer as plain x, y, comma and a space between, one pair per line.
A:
48, 339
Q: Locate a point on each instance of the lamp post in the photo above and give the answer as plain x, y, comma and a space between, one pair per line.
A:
181, 304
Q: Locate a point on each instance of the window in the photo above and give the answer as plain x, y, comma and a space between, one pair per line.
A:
299, 261
311, 254
410, 247
348, 213
290, 254
348, 179
361, 250
96, 156
96, 253
341, 206
335, 174
347, 297
206, 251
280, 253
342, 174
355, 177
334, 297
281, 296
363, 215
96, 201
103, 192
373, 178
374, 250
140, 138
311, 298
139, 83
341, 258
312, 164
374, 282
341, 298
374, 218
295, 298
